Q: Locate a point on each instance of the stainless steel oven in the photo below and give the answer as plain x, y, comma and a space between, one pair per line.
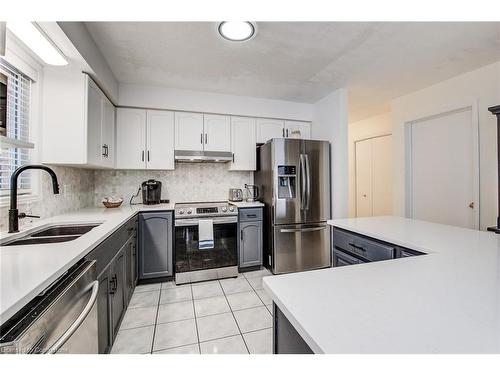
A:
193, 263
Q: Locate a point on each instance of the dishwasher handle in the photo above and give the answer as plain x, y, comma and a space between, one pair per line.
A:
78, 322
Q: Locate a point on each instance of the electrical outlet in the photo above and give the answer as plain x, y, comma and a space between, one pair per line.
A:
67, 190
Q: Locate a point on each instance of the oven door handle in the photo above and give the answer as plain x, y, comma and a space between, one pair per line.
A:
216, 220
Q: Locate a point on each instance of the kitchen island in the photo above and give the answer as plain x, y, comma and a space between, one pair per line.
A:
447, 301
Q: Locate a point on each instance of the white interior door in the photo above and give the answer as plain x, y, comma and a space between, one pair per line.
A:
217, 132
130, 138
243, 144
364, 206
382, 177
268, 129
374, 176
160, 140
443, 169
189, 133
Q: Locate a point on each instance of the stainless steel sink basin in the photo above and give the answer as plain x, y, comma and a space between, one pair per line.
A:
40, 240
64, 230
52, 234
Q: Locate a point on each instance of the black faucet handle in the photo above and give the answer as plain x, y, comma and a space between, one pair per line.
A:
22, 215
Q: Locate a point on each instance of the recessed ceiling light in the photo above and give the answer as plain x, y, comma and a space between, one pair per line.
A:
237, 31
37, 41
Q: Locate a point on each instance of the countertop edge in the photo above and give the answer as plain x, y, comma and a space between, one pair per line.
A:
23, 301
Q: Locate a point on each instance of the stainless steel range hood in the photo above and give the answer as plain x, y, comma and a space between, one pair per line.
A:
182, 156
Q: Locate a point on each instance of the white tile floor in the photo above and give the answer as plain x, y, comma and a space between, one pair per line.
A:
231, 316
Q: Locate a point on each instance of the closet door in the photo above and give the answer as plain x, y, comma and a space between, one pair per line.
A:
382, 180
374, 176
364, 178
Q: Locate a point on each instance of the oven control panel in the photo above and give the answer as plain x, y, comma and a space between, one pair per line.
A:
205, 210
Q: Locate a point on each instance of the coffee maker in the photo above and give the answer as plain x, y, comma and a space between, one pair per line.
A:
151, 192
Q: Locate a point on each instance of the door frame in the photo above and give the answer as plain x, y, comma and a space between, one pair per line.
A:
408, 167
382, 134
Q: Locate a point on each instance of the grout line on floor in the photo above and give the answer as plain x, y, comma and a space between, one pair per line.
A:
237, 325
156, 321
195, 320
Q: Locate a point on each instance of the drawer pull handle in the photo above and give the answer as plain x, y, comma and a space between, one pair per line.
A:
357, 247
252, 215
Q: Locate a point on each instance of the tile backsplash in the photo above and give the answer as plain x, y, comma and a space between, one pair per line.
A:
84, 187
76, 191
188, 182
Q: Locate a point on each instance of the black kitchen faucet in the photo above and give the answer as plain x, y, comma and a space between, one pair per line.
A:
14, 214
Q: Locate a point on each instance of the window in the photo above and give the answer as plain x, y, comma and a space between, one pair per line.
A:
18, 111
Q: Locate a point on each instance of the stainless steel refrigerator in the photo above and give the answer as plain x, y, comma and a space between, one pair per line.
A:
293, 176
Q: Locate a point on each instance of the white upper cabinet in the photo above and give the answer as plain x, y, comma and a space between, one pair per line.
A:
269, 128
130, 138
145, 139
298, 129
160, 140
189, 134
108, 132
78, 121
217, 133
243, 143
95, 112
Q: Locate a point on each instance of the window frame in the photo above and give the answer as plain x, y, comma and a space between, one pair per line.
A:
26, 62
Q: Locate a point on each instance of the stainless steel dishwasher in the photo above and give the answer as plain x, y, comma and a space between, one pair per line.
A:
63, 319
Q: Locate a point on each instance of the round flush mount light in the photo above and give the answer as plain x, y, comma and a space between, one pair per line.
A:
237, 31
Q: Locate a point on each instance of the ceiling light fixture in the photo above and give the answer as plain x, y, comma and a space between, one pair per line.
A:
237, 31
37, 41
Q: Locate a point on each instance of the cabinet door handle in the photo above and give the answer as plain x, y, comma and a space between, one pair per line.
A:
103, 150
206, 138
233, 157
287, 133
241, 235
148, 155
283, 131
357, 246
201, 138
142, 155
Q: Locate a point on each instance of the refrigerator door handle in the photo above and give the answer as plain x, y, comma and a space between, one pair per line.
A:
308, 182
302, 171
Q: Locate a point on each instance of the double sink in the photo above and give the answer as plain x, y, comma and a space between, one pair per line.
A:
52, 234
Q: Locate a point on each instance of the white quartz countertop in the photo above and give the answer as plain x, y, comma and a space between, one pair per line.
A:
25, 271
246, 204
447, 301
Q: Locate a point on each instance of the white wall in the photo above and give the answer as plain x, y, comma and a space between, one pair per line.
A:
162, 97
330, 123
481, 86
367, 128
83, 42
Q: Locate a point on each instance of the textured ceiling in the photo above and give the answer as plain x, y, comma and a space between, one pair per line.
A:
299, 61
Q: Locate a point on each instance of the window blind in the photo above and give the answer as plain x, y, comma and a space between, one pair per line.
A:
18, 112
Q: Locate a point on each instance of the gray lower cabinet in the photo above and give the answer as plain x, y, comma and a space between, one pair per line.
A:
104, 312
250, 239
155, 245
117, 275
118, 290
